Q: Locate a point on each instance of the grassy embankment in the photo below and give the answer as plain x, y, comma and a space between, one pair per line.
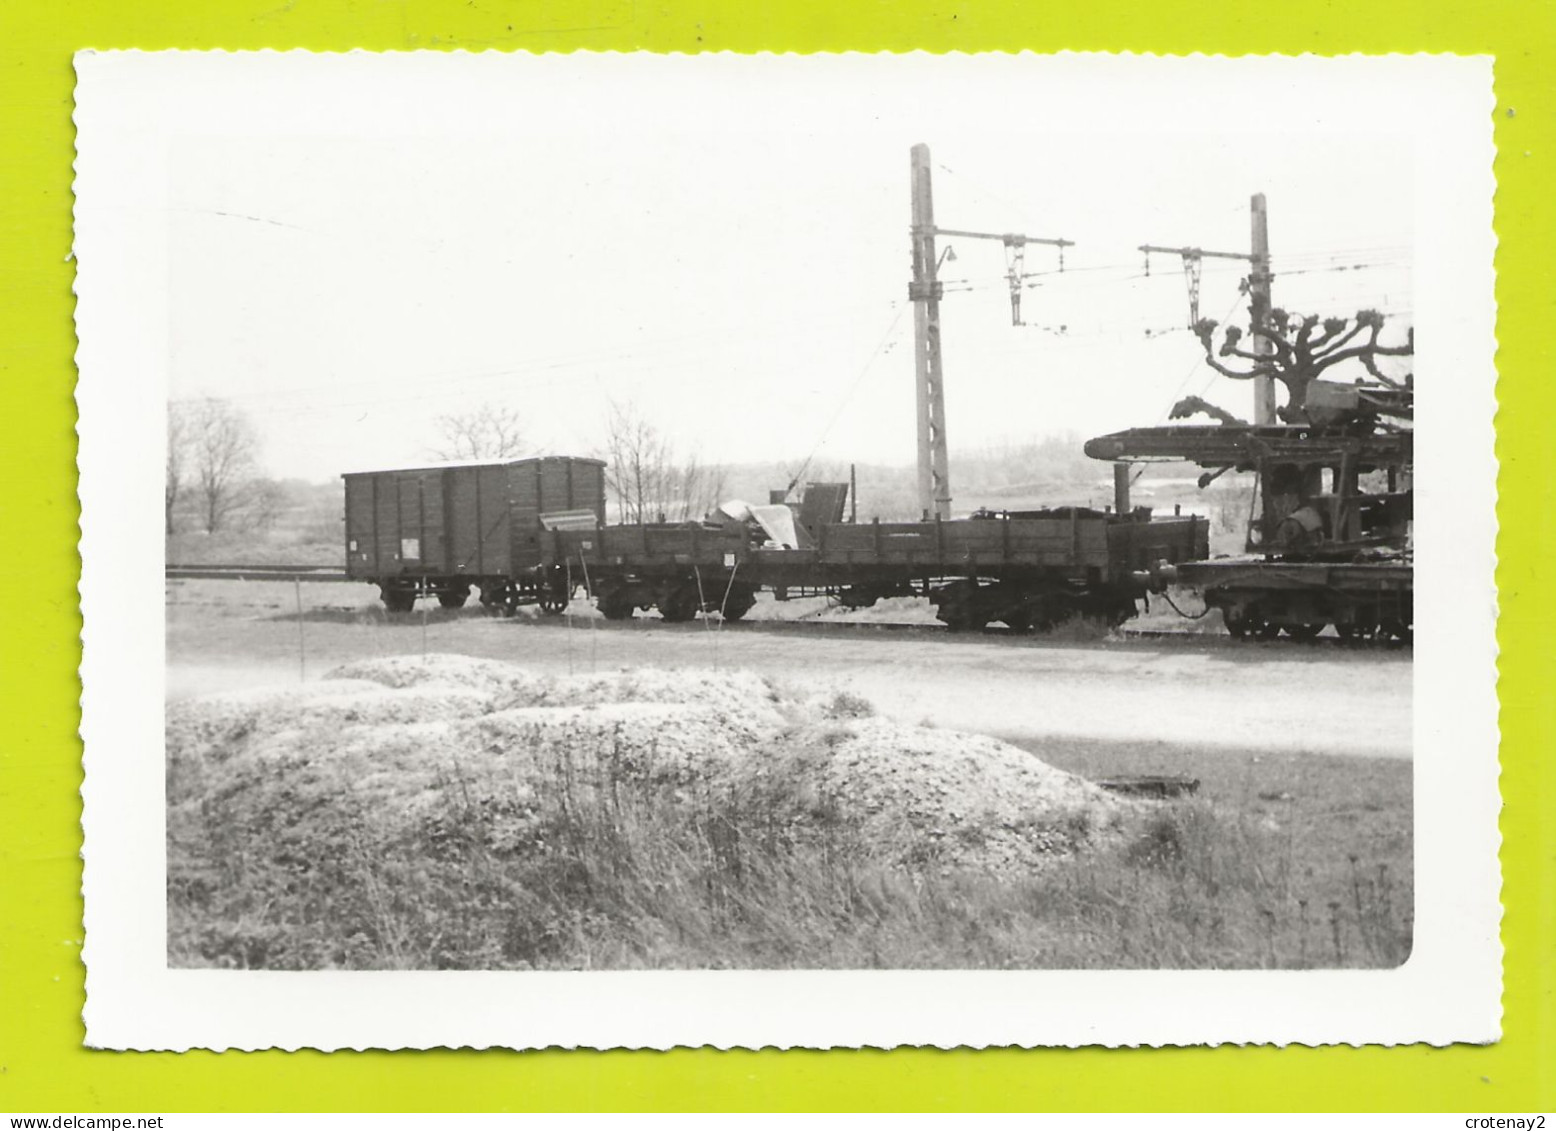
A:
1282, 861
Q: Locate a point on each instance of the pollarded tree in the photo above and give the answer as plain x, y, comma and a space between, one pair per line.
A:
1301, 349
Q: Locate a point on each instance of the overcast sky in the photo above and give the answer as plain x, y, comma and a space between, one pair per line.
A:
723, 243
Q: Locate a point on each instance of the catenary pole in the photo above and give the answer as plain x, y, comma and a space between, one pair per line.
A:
1259, 305
925, 291
934, 481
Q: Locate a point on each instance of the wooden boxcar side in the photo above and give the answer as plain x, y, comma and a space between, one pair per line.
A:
394, 522
547, 486
462, 520
479, 520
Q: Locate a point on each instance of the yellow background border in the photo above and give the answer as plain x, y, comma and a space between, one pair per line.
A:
42, 1064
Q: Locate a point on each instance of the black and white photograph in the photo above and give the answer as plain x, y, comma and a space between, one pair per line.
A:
826, 550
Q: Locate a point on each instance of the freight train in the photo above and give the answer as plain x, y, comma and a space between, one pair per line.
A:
1329, 542
534, 532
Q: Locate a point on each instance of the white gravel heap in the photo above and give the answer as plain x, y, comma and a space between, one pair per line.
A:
401, 731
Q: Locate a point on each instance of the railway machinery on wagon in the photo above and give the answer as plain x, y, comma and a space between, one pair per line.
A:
533, 532
1329, 542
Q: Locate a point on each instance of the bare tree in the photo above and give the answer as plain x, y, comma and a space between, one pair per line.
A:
265, 503
697, 487
221, 450
1300, 351
177, 456
649, 478
488, 431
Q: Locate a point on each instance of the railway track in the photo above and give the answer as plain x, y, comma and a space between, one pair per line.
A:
255, 573
803, 626
1205, 640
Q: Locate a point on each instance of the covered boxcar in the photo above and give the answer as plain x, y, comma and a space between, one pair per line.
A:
439, 530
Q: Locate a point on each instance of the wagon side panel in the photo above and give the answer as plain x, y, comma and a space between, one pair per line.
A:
494, 544
386, 528
465, 518
362, 547
419, 514
524, 497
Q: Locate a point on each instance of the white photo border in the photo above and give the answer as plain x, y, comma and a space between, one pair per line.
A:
130, 105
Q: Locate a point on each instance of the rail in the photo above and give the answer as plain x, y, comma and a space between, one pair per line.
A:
255, 573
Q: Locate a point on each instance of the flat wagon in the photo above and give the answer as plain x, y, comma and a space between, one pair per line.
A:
1026, 569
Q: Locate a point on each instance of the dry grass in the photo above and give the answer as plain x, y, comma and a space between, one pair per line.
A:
1307, 857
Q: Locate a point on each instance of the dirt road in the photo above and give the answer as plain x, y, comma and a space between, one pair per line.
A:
1209, 692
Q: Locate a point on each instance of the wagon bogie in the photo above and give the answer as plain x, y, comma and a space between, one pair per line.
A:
617, 600
497, 595
1300, 601
737, 602
1029, 606
398, 597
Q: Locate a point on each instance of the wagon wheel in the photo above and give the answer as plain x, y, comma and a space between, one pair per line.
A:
615, 606
958, 607
1252, 623
553, 603
1053, 610
454, 598
738, 603
1304, 631
397, 600
1120, 610
679, 604
1236, 621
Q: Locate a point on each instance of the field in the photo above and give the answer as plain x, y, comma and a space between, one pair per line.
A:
1295, 851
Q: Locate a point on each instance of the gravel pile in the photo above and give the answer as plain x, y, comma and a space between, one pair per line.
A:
403, 736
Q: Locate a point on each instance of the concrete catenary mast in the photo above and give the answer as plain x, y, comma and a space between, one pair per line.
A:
1259, 306
925, 291
934, 477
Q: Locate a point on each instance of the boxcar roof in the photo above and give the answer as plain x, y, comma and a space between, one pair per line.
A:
441, 465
